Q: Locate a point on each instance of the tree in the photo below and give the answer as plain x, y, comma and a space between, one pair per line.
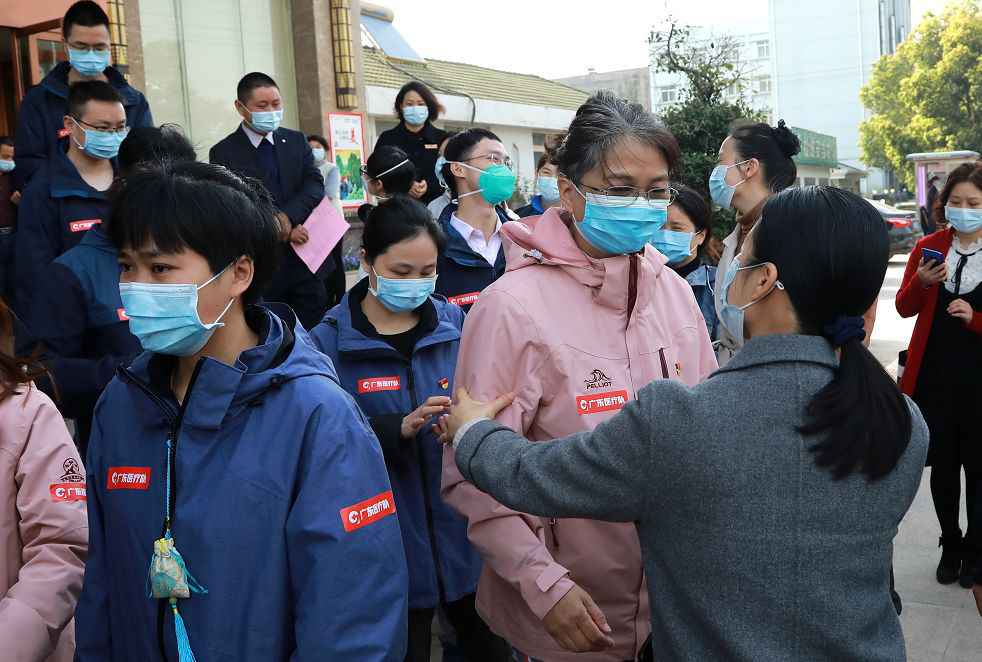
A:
927, 96
702, 118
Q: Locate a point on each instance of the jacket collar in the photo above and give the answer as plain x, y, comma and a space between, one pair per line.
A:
66, 182
792, 348
701, 277
56, 82
458, 250
95, 238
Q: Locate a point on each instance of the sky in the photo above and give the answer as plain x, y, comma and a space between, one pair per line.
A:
558, 38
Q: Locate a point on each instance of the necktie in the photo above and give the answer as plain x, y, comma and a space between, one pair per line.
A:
962, 261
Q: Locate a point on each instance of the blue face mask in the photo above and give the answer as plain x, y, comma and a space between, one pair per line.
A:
964, 220
617, 229
731, 316
676, 246
89, 62
416, 115
164, 317
548, 188
265, 121
6, 166
719, 190
101, 144
319, 154
438, 171
401, 295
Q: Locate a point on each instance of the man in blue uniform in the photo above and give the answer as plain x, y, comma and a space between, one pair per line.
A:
67, 196
40, 127
226, 459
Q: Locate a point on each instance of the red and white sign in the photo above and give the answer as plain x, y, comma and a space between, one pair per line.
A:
377, 384
83, 226
368, 511
67, 492
121, 313
464, 299
596, 403
128, 478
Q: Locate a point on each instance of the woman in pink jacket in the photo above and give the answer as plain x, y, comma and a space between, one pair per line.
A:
586, 314
43, 527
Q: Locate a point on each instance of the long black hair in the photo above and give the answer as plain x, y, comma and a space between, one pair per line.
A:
384, 165
773, 146
460, 148
395, 220
831, 250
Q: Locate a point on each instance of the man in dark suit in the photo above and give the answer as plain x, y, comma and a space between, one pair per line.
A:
282, 160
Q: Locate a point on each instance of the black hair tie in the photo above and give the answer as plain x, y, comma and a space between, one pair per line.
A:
844, 329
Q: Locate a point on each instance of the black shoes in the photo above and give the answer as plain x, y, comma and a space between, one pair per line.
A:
971, 567
950, 566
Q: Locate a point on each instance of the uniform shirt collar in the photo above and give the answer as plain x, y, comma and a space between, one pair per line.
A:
256, 138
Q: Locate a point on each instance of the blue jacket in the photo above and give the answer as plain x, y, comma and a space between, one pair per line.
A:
702, 281
443, 566
42, 118
56, 210
77, 316
463, 274
282, 509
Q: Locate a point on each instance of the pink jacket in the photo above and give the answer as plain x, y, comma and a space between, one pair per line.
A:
575, 338
43, 530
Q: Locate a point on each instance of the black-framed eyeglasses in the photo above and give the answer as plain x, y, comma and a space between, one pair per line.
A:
628, 195
118, 129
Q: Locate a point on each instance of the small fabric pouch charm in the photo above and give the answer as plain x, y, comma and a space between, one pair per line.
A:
169, 576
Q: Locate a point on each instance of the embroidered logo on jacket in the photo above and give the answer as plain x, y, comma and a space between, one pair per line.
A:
596, 403
597, 380
377, 384
73, 472
464, 299
128, 478
444, 383
368, 511
83, 226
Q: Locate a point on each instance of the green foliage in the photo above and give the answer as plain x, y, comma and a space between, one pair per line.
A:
927, 96
702, 118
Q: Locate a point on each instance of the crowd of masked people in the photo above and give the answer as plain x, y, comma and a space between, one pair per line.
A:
266, 465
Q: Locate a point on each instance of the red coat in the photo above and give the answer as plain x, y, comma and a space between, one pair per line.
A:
915, 299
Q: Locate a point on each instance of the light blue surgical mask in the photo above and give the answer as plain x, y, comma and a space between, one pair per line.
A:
101, 144
164, 317
6, 166
88, 62
319, 155
438, 171
265, 121
676, 246
416, 115
730, 315
619, 229
964, 220
547, 188
719, 190
401, 295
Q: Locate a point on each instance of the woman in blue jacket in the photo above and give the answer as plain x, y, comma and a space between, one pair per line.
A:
238, 501
394, 347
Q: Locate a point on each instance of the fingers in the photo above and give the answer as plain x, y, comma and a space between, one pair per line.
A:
596, 615
441, 400
427, 411
500, 403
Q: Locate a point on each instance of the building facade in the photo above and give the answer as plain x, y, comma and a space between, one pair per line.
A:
631, 84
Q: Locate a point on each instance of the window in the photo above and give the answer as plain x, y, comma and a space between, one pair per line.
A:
669, 94
763, 49
764, 85
538, 139
117, 35
734, 90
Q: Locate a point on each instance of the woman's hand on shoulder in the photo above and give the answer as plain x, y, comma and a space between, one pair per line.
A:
465, 409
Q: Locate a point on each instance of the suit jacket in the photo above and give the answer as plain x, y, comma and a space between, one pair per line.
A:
300, 179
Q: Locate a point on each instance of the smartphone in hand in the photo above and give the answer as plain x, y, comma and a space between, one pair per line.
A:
930, 255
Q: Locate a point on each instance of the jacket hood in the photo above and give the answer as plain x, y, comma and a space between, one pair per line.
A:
548, 240
56, 82
286, 353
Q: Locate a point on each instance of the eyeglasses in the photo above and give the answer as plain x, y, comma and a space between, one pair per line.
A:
119, 129
628, 195
495, 159
85, 48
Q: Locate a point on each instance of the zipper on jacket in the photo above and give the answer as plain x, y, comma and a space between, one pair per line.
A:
632, 286
664, 363
553, 527
421, 459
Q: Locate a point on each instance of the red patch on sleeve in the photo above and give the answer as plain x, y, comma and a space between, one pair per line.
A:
368, 511
464, 299
82, 226
128, 478
67, 491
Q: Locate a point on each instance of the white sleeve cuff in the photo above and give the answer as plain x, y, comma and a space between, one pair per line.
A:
465, 429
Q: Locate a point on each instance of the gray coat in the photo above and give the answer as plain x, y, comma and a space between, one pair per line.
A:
751, 551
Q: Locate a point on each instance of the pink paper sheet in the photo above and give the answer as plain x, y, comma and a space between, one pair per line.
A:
326, 226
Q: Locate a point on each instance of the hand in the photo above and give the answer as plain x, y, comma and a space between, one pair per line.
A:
931, 273
441, 430
418, 189
959, 308
299, 235
411, 424
15, 198
285, 226
466, 410
577, 624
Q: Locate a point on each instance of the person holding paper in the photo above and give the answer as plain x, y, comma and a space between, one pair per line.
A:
394, 347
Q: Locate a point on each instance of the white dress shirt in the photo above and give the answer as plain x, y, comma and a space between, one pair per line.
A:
486, 248
972, 273
256, 138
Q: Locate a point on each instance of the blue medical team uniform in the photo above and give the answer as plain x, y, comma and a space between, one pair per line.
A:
281, 508
463, 274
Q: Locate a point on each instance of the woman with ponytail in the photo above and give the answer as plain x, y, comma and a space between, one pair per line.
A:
769, 537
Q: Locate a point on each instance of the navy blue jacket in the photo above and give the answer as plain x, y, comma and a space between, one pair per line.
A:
282, 510
56, 210
702, 281
463, 274
443, 566
77, 316
41, 119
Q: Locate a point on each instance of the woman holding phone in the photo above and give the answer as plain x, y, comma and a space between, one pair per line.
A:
941, 287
